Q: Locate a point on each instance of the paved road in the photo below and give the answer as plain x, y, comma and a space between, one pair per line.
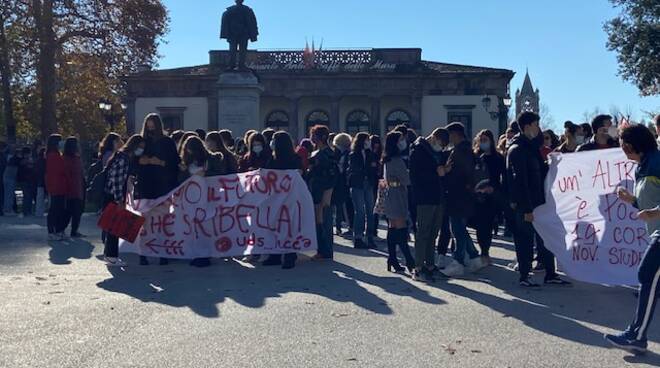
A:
61, 307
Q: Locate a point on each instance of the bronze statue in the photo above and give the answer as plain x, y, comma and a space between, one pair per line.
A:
239, 25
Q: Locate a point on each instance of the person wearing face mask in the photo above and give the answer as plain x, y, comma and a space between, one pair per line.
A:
572, 138
639, 145
426, 172
56, 188
258, 155
490, 200
340, 195
525, 171
460, 183
118, 171
75, 182
216, 144
605, 135
362, 178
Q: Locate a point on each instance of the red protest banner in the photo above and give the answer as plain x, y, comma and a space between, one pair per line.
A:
120, 222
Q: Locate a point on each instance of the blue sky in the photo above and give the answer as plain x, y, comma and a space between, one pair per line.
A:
561, 42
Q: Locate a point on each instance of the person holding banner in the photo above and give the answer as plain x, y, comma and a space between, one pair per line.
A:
526, 171
117, 171
284, 158
604, 134
639, 145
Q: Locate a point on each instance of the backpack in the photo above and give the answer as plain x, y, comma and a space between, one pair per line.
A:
95, 192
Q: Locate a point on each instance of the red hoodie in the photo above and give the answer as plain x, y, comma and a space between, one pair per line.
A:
73, 173
55, 174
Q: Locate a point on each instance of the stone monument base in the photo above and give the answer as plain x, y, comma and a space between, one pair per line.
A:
239, 94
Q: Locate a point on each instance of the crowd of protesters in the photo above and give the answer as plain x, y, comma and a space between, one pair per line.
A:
427, 188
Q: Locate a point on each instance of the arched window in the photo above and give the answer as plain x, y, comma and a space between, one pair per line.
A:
356, 122
316, 117
396, 117
278, 120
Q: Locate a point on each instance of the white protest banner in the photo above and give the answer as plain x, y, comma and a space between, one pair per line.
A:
259, 212
595, 236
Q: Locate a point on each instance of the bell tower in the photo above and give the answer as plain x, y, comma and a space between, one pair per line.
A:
527, 99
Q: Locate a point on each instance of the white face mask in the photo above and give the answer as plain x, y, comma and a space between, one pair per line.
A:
579, 139
194, 169
402, 145
437, 147
138, 152
613, 132
257, 148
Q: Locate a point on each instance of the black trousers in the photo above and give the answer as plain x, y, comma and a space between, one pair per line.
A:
240, 48
523, 239
2, 195
649, 277
445, 236
111, 242
56, 220
74, 211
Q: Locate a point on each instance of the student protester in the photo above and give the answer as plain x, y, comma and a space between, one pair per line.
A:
9, 179
340, 194
304, 151
550, 143
445, 234
377, 149
40, 180
118, 169
526, 171
268, 134
605, 135
240, 149
397, 180
284, 158
322, 175
572, 138
75, 184
639, 145
490, 200
27, 181
196, 160
158, 166
56, 187
586, 131
228, 139
461, 202
177, 137
201, 133
258, 156
362, 179
426, 171
109, 145
215, 144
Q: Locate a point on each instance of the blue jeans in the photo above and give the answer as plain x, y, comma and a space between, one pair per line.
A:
363, 204
463, 240
324, 234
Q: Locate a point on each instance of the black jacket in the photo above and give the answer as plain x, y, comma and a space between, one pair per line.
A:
362, 168
426, 184
154, 181
239, 24
460, 181
322, 174
591, 145
525, 173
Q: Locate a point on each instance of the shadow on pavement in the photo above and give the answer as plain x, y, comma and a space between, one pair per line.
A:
61, 253
203, 290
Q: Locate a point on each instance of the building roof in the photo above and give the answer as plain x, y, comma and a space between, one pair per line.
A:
527, 88
362, 61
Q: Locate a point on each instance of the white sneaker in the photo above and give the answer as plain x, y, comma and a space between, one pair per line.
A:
114, 262
454, 269
476, 264
443, 261
61, 236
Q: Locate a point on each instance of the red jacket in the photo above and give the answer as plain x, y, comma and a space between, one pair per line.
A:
55, 178
73, 176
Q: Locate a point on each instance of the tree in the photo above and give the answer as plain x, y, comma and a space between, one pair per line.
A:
118, 34
635, 36
547, 120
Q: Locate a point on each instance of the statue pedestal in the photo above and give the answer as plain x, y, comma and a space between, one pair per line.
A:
238, 102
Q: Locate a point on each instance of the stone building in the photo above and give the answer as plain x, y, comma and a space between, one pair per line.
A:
348, 90
527, 99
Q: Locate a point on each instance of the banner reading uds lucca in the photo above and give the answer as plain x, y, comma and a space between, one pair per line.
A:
595, 236
259, 212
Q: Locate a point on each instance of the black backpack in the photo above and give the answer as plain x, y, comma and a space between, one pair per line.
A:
96, 190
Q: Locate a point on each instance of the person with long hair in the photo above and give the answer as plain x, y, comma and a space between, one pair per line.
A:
377, 149
117, 171
322, 176
158, 166
75, 183
397, 181
26, 180
639, 145
215, 143
109, 145
228, 139
572, 140
340, 194
56, 188
490, 199
362, 178
284, 158
197, 160
258, 155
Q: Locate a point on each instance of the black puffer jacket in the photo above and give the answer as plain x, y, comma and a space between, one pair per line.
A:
460, 181
426, 184
525, 173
